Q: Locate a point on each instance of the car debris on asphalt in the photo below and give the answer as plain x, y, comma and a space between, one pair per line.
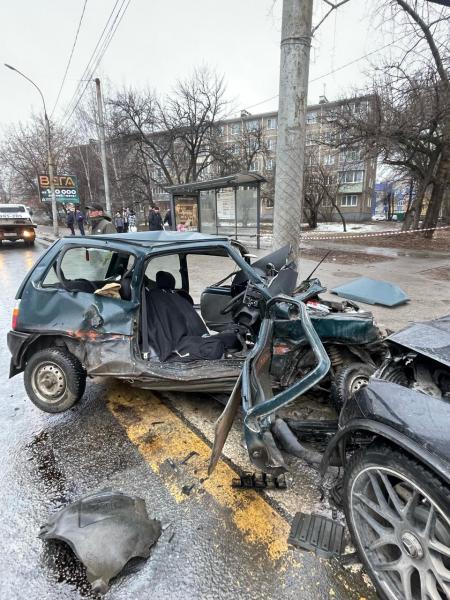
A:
104, 530
372, 291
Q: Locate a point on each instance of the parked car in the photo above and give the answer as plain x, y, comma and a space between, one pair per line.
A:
16, 224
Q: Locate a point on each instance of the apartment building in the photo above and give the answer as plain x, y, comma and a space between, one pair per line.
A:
351, 175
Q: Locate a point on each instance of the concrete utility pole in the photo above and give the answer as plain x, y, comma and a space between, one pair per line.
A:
294, 70
48, 138
101, 128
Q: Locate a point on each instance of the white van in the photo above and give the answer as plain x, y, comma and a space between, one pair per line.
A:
16, 224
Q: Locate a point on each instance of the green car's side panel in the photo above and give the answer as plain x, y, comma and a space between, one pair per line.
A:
101, 331
354, 328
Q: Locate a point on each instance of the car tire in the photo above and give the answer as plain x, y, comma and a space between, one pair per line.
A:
29, 243
54, 380
349, 379
401, 545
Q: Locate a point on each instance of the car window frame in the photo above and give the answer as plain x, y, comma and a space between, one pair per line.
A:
86, 246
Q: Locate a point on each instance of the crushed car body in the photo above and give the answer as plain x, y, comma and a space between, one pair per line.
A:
120, 306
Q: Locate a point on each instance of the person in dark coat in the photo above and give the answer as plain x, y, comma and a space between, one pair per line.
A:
100, 220
119, 222
155, 222
71, 220
79, 216
168, 218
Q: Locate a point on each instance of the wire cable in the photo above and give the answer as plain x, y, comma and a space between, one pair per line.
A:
86, 76
102, 51
70, 57
352, 62
99, 51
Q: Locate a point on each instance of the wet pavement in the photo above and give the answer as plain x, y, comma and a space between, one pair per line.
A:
217, 542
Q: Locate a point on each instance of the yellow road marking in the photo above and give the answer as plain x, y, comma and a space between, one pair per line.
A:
161, 436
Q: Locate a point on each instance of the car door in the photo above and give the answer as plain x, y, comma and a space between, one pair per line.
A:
284, 330
74, 300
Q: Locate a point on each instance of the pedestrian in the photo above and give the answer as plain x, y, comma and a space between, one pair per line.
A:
155, 222
125, 214
118, 222
132, 223
168, 218
100, 220
80, 218
71, 219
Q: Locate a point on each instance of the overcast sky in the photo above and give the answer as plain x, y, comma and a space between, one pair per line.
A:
159, 41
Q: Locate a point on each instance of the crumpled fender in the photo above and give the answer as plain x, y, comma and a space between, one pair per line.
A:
413, 421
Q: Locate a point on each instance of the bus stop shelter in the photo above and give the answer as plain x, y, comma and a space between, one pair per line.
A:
229, 206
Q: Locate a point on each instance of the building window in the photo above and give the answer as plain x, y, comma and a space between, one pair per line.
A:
271, 144
311, 118
328, 159
349, 200
349, 155
329, 179
252, 125
369, 202
309, 141
254, 166
351, 176
271, 123
270, 164
235, 128
222, 130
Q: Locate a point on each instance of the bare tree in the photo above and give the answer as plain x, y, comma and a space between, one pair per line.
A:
408, 118
170, 140
23, 154
242, 152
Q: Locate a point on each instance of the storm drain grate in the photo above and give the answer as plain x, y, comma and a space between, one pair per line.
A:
317, 534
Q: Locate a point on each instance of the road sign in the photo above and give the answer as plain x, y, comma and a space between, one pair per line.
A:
66, 188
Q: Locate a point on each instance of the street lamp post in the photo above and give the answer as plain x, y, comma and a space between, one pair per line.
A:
49, 151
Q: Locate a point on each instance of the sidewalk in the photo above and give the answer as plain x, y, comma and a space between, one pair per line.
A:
44, 233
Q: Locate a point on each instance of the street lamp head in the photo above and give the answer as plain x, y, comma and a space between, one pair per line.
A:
10, 67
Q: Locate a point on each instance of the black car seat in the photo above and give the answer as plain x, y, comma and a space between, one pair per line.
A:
166, 281
125, 285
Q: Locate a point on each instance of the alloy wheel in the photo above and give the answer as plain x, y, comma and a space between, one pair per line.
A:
403, 533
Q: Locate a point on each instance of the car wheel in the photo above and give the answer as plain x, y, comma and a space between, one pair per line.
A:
29, 243
54, 380
348, 380
398, 513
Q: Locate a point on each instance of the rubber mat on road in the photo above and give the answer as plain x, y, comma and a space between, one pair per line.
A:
317, 534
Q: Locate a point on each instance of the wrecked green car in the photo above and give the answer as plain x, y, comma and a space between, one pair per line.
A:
122, 306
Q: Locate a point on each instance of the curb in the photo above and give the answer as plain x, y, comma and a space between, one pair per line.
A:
45, 240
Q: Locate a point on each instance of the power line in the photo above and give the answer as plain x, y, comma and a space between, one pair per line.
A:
87, 76
352, 62
70, 57
97, 54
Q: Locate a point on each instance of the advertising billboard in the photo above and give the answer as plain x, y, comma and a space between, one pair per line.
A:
66, 188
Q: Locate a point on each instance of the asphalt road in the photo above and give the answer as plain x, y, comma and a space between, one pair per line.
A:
217, 542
